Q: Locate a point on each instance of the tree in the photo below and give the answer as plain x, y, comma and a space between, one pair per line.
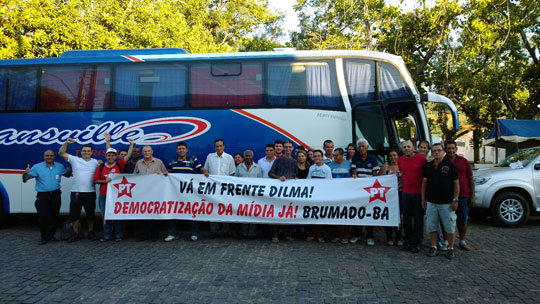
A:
480, 53
46, 28
490, 69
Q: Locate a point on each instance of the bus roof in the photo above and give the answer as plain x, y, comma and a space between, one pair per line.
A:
176, 54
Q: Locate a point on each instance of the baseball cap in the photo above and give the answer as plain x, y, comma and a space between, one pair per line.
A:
112, 150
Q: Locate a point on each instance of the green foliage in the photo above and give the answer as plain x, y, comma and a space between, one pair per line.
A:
46, 28
480, 53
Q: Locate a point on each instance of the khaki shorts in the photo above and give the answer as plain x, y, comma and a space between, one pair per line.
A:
436, 213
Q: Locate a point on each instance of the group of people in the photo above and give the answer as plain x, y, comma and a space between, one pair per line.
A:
438, 192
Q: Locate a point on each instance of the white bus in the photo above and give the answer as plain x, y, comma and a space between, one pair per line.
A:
162, 96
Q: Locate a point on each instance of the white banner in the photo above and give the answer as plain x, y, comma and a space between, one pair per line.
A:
346, 201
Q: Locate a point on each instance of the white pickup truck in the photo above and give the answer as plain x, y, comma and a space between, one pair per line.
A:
511, 189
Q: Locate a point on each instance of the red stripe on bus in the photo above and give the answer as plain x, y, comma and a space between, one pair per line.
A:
11, 171
134, 59
273, 126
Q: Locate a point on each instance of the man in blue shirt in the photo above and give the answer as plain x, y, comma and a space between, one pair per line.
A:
48, 200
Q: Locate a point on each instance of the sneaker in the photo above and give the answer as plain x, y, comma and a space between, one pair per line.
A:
73, 238
289, 238
345, 241
370, 242
92, 235
441, 246
354, 239
104, 239
433, 251
463, 245
170, 238
450, 254
194, 238
400, 243
390, 242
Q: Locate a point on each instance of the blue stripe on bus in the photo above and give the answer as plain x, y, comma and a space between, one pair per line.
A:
26, 130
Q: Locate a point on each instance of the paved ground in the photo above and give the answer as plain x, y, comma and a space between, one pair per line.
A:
503, 268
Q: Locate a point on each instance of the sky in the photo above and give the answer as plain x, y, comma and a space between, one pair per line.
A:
291, 19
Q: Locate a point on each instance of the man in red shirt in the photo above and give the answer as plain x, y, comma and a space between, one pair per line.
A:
101, 176
411, 166
466, 190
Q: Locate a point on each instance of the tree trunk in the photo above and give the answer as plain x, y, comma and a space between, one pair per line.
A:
477, 144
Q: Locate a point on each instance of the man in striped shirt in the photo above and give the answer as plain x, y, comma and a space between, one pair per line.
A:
184, 163
364, 165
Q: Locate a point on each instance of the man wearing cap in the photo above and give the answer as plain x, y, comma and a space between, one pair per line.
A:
101, 176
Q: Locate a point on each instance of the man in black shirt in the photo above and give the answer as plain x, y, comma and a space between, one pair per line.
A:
440, 191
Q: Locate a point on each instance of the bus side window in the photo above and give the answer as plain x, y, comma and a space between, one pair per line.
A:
75, 88
3, 88
22, 89
156, 86
226, 84
311, 84
360, 77
392, 85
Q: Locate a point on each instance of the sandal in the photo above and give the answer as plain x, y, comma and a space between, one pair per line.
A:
289, 238
275, 240
320, 240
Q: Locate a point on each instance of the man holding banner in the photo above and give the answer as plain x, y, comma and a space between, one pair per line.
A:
248, 169
284, 168
150, 165
219, 163
184, 163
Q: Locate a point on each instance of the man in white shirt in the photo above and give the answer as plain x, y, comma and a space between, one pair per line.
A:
219, 163
266, 162
83, 191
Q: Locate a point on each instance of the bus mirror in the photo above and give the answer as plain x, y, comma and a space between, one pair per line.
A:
436, 98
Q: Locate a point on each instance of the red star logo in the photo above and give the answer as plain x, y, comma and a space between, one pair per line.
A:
124, 187
377, 192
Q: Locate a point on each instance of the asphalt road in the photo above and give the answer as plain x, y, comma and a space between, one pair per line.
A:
503, 267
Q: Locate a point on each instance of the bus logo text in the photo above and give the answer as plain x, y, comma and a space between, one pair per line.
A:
120, 133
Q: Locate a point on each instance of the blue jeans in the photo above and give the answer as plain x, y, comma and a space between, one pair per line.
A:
107, 225
173, 230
